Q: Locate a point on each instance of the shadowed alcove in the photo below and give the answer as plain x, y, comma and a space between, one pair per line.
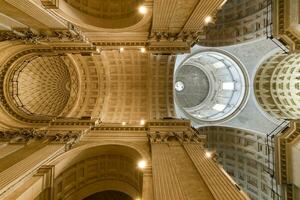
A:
108, 195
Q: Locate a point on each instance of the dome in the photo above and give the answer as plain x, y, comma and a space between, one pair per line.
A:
192, 86
209, 86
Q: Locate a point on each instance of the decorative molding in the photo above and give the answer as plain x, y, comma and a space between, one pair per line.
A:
169, 122
185, 36
119, 128
69, 138
22, 135
183, 137
29, 36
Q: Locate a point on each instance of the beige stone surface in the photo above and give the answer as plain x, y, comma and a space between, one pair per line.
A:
107, 158
85, 85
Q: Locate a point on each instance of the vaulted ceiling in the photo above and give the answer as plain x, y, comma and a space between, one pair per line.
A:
127, 86
166, 26
98, 59
113, 86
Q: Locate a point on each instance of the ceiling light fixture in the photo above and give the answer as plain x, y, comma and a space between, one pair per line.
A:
143, 50
142, 164
208, 19
207, 154
142, 122
142, 10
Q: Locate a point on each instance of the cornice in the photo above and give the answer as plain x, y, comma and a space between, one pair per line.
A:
182, 137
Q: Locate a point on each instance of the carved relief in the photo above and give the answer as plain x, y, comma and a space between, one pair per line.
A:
28, 36
22, 135
69, 138
182, 137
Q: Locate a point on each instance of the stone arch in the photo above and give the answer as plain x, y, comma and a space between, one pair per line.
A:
104, 186
112, 165
74, 152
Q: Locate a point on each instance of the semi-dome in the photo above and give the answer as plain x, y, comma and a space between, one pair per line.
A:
209, 86
105, 13
42, 86
107, 9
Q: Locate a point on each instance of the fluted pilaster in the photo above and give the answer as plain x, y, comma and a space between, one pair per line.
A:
16, 174
147, 184
166, 183
7, 149
218, 183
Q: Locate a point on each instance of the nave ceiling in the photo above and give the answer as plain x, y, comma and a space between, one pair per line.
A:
111, 86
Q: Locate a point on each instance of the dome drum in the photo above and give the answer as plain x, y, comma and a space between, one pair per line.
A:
214, 86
